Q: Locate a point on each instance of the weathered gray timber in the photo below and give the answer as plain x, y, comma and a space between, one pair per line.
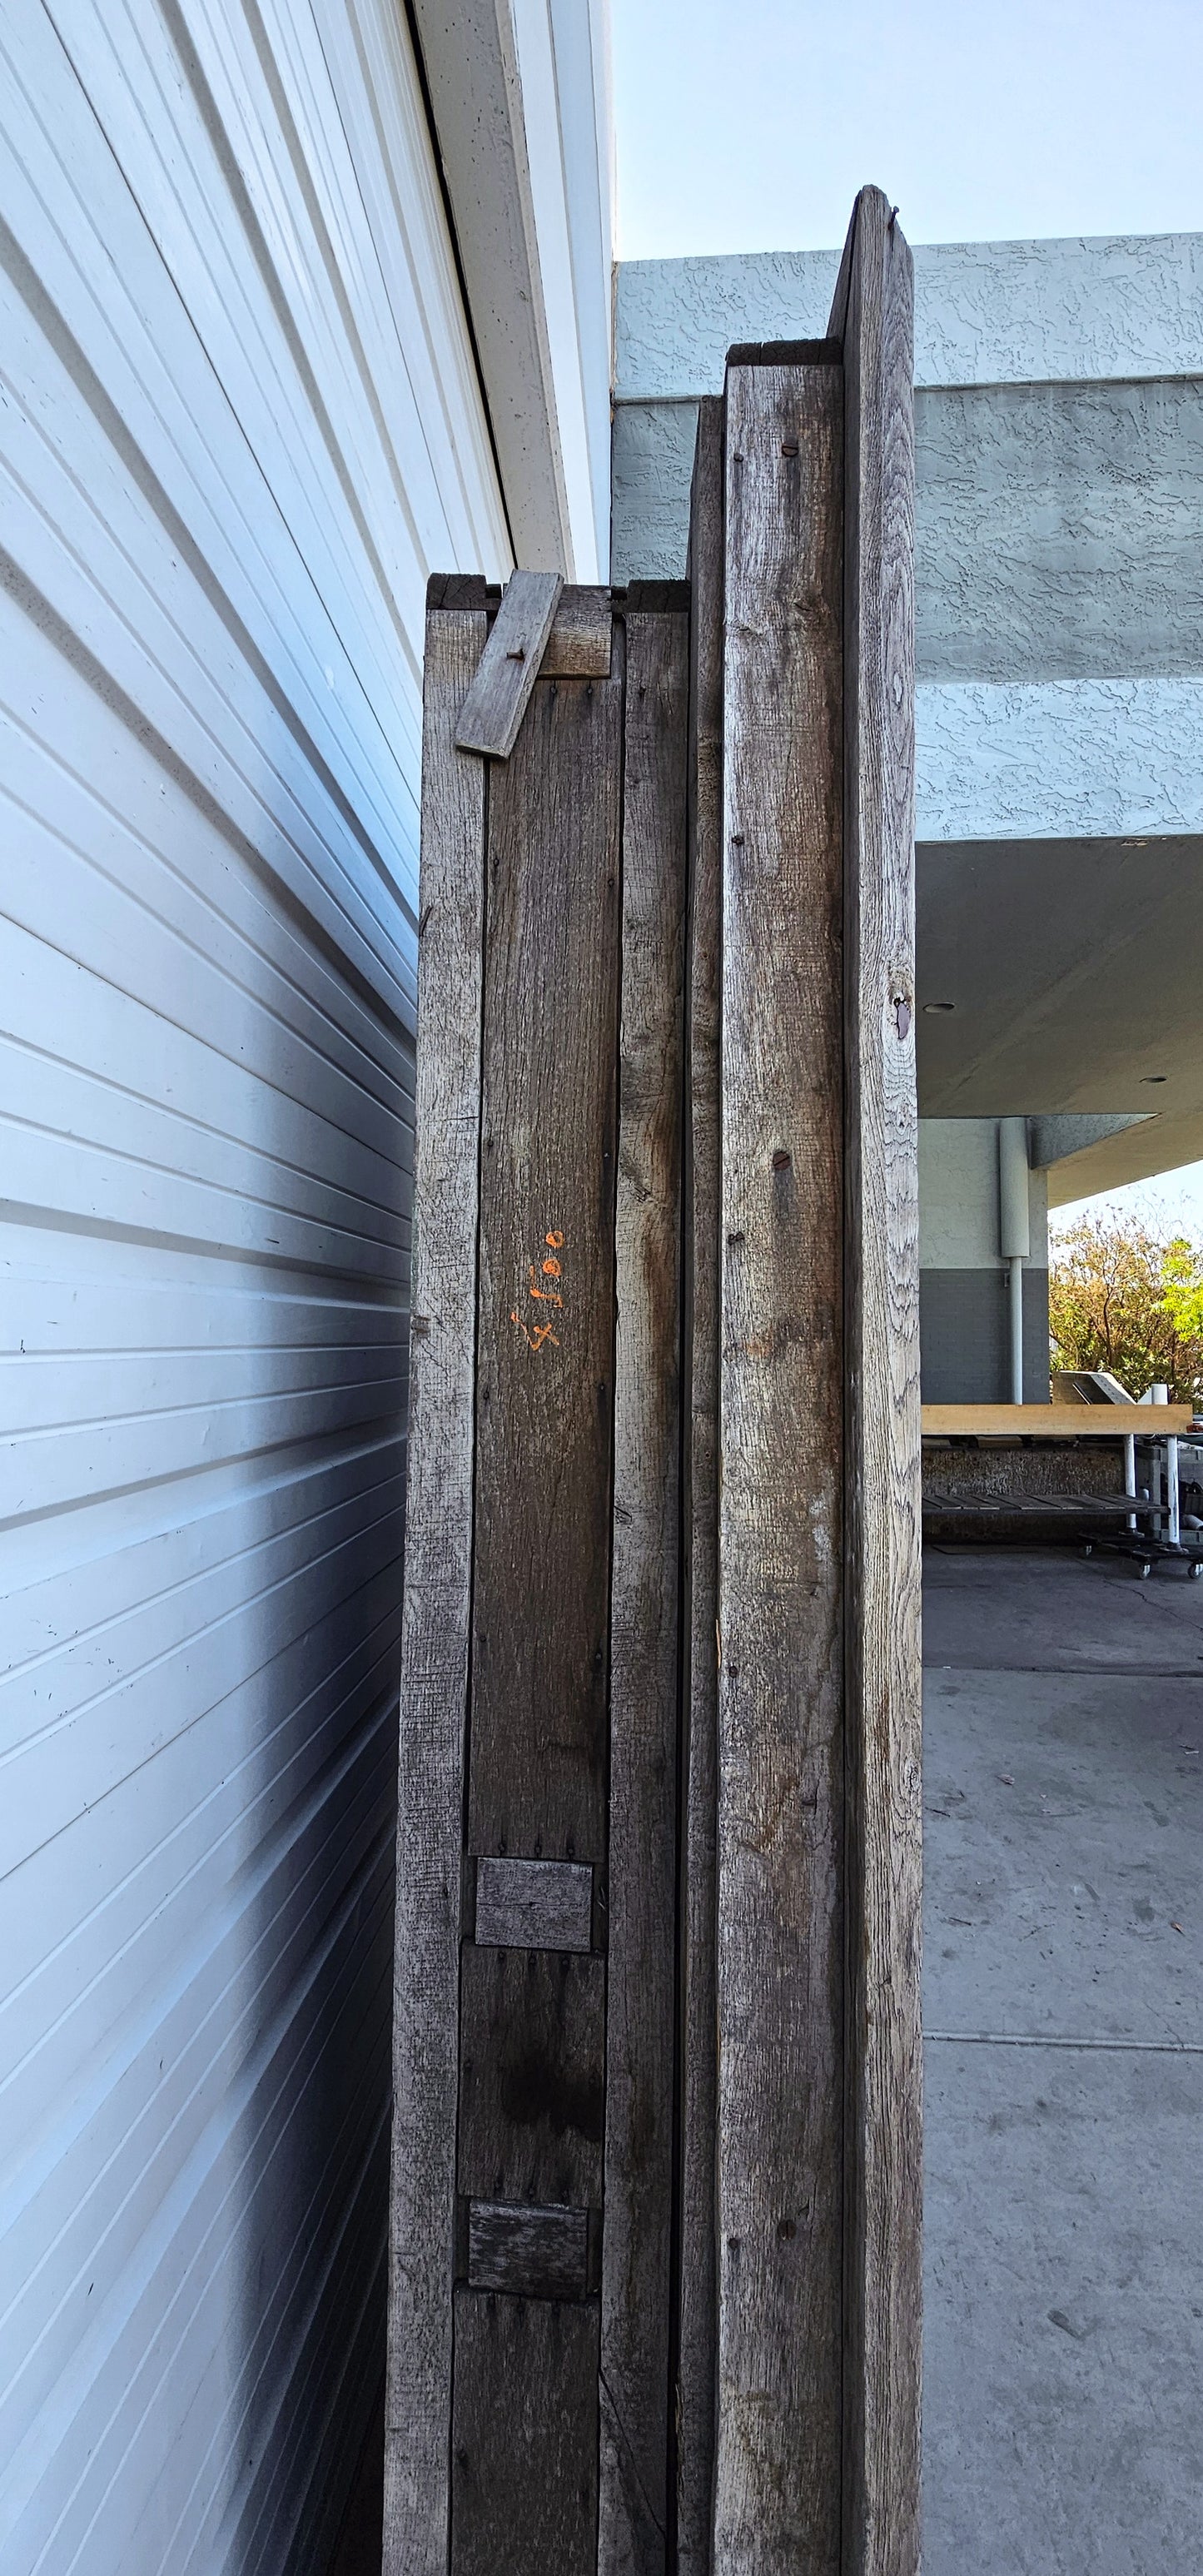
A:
436, 1621
524, 2440
644, 1680
658, 2145
883, 2123
532, 2021
695, 2388
578, 647
540, 2251
505, 676
546, 1286
780, 1761
534, 1904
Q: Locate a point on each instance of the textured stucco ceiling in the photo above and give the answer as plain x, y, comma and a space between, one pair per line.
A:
1076, 973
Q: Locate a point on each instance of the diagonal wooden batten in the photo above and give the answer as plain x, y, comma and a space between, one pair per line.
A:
644, 1680
695, 2328
780, 1577
883, 2125
436, 1617
504, 680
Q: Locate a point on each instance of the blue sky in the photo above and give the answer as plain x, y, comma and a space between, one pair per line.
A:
750, 124
1174, 1199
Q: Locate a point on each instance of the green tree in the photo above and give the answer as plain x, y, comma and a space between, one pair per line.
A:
1128, 1298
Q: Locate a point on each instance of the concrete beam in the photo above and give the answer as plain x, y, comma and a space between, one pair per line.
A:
986, 313
1051, 1140
1115, 759
1059, 529
1141, 1153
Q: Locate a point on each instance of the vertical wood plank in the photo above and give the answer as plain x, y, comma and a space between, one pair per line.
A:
532, 2076
644, 1709
695, 2391
546, 1346
525, 2436
435, 1623
780, 1784
884, 2046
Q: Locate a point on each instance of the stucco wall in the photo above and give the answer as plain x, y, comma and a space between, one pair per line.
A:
985, 312
1059, 573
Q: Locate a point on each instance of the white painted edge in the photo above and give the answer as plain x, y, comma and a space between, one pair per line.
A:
531, 220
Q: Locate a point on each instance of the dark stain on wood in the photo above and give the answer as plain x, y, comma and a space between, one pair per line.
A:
532, 2076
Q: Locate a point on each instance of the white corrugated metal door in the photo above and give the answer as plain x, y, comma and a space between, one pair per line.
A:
239, 422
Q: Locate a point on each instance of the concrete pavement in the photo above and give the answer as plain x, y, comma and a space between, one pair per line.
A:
1063, 2000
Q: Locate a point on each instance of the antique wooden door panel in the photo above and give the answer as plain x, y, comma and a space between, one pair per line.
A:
532, 2254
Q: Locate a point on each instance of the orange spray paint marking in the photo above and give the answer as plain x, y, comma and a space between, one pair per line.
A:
545, 1269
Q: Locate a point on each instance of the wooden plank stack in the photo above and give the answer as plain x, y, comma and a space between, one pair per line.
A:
655, 2234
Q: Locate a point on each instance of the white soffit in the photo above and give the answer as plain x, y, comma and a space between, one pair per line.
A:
520, 102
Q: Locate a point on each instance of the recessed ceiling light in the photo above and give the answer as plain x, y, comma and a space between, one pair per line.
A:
939, 1006
1154, 1077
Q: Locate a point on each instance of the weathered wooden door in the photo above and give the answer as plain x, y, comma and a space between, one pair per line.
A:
529, 2402
654, 2294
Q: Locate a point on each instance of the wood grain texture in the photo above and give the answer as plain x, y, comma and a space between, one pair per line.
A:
695, 2389
534, 1904
532, 2076
505, 676
578, 647
546, 1313
540, 2252
644, 1702
435, 1620
883, 1510
524, 2444
1054, 1421
780, 1780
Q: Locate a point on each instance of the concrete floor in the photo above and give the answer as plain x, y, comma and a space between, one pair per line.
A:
1063, 1998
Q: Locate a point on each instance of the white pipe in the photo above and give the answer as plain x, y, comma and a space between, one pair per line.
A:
1171, 1490
1016, 1305
1130, 1471
1014, 1231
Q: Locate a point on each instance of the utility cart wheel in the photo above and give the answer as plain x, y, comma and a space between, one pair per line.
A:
1195, 1569
1088, 1549
1144, 1569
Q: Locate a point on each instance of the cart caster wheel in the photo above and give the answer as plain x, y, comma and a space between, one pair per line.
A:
1195, 1571
1144, 1571
1088, 1550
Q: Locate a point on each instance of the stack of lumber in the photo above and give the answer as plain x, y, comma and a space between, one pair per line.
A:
655, 2233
